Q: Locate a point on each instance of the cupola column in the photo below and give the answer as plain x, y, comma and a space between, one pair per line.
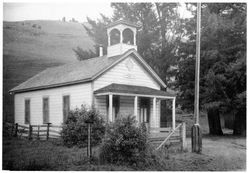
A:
108, 38
121, 36
134, 38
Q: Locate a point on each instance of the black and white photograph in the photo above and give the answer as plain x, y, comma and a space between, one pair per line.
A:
124, 86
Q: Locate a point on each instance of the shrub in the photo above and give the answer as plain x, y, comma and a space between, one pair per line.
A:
75, 130
125, 142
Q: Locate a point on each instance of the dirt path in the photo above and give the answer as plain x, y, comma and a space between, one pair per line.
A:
218, 153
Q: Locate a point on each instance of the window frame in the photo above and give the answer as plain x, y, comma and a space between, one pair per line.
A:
65, 116
48, 118
27, 117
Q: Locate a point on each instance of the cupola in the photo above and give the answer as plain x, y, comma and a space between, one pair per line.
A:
121, 37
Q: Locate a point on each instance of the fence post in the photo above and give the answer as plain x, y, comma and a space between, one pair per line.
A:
183, 136
16, 129
12, 129
48, 131
30, 132
38, 131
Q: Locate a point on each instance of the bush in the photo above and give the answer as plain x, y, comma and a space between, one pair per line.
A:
75, 130
125, 142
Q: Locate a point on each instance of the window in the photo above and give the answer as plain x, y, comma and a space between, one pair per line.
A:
66, 107
114, 36
27, 111
128, 36
144, 110
45, 110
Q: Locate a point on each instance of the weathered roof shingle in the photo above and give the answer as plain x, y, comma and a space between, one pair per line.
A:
74, 72
131, 89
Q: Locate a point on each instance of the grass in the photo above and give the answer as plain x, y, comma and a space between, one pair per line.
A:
218, 154
28, 50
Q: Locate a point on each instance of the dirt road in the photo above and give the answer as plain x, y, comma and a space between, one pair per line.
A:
225, 153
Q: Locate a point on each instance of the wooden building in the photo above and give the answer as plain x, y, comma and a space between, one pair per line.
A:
117, 84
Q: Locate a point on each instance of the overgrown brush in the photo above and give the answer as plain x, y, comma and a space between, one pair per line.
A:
75, 130
125, 142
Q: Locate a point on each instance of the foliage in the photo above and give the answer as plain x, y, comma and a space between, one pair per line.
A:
158, 37
223, 57
125, 142
75, 130
83, 55
223, 44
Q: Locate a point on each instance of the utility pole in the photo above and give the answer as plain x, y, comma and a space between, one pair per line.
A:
196, 130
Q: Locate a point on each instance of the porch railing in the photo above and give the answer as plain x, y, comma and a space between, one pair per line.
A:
179, 131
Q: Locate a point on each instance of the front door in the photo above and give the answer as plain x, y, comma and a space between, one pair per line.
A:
144, 110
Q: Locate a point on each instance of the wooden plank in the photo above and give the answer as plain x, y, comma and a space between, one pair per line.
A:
55, 126
40, 130
23, 126
167, 138
39, 125
54, 136
43, 135
160, 129
54, 131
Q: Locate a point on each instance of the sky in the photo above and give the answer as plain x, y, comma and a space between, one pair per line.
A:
13, 11
54, 11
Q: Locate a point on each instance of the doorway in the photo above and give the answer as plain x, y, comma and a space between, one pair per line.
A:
144, 111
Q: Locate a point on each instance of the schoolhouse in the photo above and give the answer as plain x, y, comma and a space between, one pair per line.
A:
117, 84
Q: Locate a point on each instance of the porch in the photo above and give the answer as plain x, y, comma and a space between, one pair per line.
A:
144, 103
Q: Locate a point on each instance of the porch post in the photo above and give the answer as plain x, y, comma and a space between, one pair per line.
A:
173, 114
136, 108
110, 107
154, 111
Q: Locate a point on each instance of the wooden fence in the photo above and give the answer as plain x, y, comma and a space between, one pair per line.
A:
42, 132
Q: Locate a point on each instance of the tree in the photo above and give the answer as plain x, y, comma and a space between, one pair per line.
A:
223, 44
158, 36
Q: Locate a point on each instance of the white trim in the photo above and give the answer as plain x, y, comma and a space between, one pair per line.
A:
154, 111
136, 108
139, 95
110, 107
173, 114
144, 63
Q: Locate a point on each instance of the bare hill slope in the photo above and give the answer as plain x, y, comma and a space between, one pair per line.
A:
32, 46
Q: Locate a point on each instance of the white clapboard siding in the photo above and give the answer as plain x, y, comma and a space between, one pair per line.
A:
80, 94
100, 105
121, 74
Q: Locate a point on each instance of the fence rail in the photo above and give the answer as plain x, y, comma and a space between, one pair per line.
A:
178, 132
44, 131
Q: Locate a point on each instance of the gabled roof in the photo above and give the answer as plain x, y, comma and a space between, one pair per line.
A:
131, 89
123, 22
78, 72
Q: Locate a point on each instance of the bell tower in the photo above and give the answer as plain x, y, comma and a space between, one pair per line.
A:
121, 37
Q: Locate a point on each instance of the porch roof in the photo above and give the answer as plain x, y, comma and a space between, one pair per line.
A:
121, 89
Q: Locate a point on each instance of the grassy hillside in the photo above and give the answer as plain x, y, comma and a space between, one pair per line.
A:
32, 46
